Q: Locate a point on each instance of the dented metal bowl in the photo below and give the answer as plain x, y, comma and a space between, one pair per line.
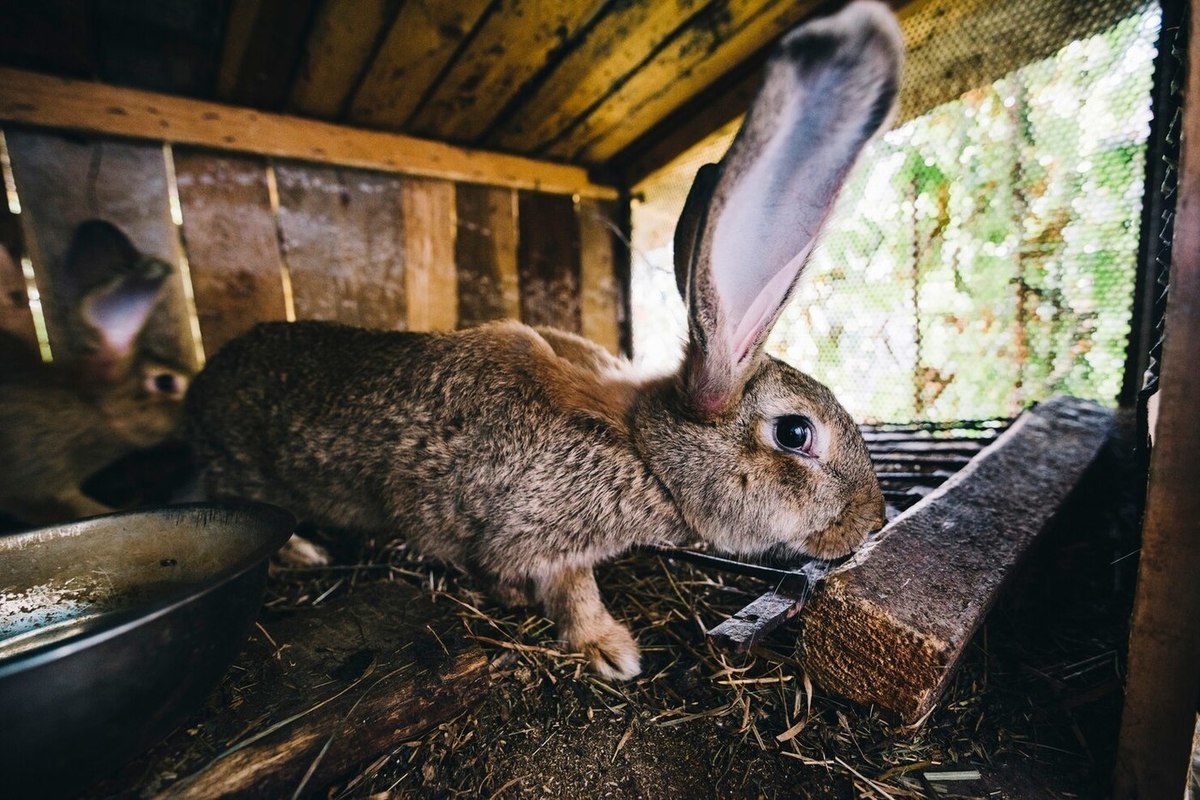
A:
114, 629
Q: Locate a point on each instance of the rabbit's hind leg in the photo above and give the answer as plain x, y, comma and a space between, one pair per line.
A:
572, 599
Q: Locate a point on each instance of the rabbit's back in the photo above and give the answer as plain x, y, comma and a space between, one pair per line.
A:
482, 446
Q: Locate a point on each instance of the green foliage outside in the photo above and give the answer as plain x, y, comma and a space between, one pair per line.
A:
982, 256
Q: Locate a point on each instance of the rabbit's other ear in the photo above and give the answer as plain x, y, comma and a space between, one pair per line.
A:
112, 312
829, 87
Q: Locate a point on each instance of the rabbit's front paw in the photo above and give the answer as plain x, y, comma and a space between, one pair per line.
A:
299, 552
609, 648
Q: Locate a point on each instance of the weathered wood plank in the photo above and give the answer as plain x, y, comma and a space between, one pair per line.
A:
712, 43
15, 317
486, 255
612, 50
231, 242
420, 43
63, 182
344, 237
599, 297
338, 50
267, 36
513, 43
429, 245
331, 688
62, 103
891, 630
548, 261
1163, 686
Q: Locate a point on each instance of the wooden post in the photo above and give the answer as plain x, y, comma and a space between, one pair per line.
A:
1164, 642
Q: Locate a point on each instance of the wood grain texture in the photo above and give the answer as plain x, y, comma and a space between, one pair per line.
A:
338, 50
512, 45
62, 103
422, 40
486, 255
1163, 685
344, 235
333, 688
265, 42
599, 293
429, 245
712, 43
548, 255
63, 182
876, 639
609, 54
231, 241
15, 316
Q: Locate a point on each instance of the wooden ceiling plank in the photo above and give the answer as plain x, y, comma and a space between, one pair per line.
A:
513, 45
263, 75
612, 51
716, 44
238, 27
339, 49
62, 103
420, 43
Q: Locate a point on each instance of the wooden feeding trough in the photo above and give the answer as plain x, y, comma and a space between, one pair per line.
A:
432, 166
891, 630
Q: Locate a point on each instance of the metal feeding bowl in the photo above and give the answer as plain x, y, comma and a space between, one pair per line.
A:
114, 629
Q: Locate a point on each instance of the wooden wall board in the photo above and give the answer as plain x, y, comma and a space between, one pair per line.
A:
231, 241
340, 47
422, 40
63, 181
486, 255
429, 245
344, 235
15, 316
599, 292
1163, 685
59, 103
512, 45
548, 254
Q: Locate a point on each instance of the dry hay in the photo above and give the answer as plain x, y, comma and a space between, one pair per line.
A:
1031, 713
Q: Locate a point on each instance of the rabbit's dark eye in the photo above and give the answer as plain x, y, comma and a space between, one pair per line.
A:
794, 433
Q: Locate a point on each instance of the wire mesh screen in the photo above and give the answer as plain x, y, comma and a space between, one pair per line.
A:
983, 254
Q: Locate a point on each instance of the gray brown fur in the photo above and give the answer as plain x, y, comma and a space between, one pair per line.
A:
101, 399
530, 455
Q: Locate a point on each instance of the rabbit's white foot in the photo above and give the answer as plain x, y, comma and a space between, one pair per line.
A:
608, 646
299, 552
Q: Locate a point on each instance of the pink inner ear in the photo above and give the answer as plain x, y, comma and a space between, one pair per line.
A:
763, 307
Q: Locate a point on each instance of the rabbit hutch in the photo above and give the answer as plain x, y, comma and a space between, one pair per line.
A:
1005, 298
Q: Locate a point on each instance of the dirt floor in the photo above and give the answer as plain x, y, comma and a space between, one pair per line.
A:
1032, 712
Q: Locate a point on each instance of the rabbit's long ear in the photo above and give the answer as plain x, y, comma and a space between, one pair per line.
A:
112, 312
750, 224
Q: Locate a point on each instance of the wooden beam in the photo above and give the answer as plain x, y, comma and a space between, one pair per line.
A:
1164, 642
315, 694
891, 630
62, 103
951, 47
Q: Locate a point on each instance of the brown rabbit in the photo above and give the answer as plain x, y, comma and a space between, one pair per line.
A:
531, 455
61, 422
